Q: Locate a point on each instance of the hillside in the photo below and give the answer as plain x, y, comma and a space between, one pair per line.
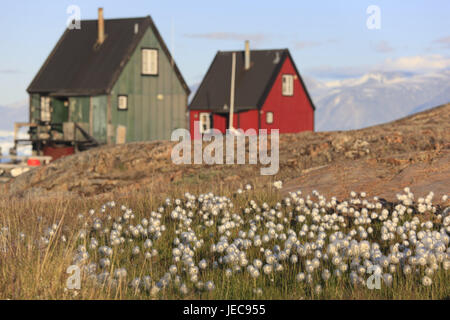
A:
383, 159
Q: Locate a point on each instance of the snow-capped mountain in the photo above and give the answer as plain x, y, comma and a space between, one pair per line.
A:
376, 98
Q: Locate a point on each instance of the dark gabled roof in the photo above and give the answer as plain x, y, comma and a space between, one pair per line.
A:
77, 67
251, 87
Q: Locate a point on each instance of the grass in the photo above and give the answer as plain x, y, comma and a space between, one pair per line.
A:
31, 270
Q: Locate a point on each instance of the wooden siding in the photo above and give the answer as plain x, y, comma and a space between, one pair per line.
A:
290, 113
79, 109
147, 117
35, 102
99, 116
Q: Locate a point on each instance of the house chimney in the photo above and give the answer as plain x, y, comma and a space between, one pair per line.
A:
247, 55
101, 27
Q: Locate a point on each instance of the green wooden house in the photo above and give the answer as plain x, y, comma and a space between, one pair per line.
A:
111, 81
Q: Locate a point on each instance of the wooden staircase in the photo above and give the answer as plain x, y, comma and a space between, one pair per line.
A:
89, 142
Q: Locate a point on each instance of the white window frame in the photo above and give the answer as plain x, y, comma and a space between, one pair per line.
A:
150, 61
269, 117
121, 99
205, 122
45, 109
287, 85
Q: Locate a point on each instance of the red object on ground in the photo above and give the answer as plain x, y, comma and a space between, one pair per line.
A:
33, 162
58, 152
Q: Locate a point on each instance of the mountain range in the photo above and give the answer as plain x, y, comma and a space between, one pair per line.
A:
375, 98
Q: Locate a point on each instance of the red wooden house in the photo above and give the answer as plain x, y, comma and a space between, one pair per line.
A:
269, 94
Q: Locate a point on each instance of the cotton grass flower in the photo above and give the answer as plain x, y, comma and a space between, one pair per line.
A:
257, 291
209, 286
326, 275
105, 263
267, 269
173, 269
136, 250
184, 289
120, 273
300, 277
147, 255
318, 289
426, 281
278, 184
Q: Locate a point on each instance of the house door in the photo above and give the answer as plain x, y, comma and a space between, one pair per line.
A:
60, 110
222, 121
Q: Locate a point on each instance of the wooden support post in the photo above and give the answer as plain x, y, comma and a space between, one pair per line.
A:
109, 131
233, 75
91, 117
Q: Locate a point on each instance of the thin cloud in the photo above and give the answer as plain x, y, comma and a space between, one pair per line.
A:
383, 47
411, 64
445, 41
10, 71
434, 62
330, 72
300, 45
306, 44
233, 36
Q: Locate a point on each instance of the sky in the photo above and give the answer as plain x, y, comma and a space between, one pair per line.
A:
329, 39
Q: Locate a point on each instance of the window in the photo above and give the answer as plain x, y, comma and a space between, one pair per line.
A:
150, 62
205, 122
288, 85
269, 117
122, 103
45, 109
